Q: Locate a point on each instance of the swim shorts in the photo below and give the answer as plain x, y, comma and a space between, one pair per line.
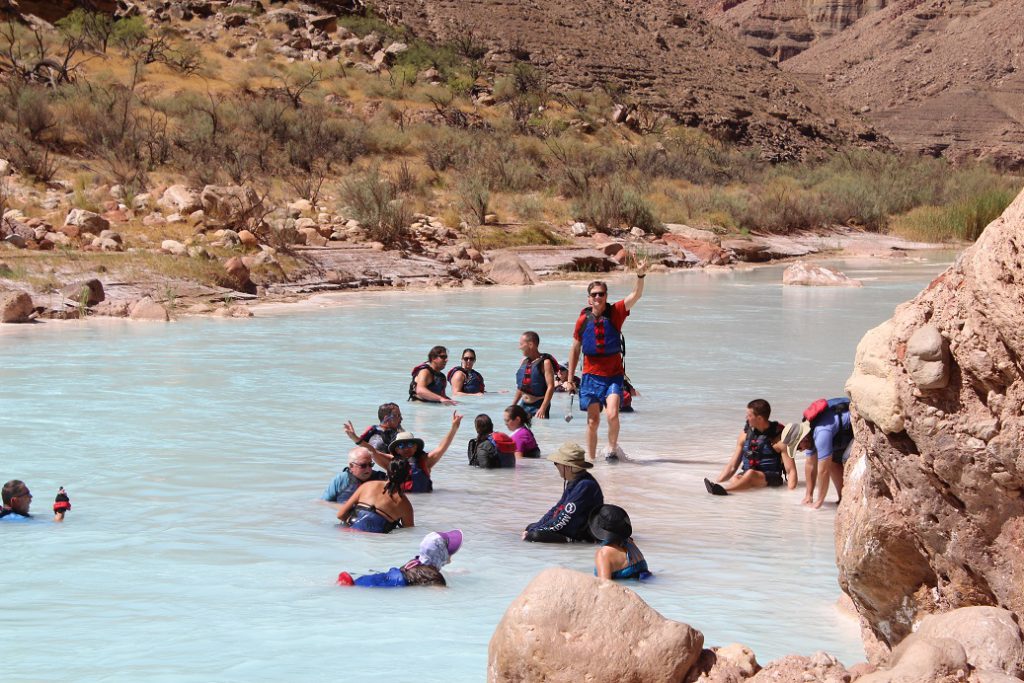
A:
597, 389
773, 478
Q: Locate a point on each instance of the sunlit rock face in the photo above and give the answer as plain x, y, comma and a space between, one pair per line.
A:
932, 518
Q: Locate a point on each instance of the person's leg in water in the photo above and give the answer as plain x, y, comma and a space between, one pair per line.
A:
611, 413
837, 466
593, 422
751, 479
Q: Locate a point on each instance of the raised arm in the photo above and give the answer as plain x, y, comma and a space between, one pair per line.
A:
638, 288
382, 459
435, 455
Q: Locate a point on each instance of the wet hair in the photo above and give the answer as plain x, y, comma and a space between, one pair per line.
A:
436, 352
398, 473
484, 425
384, 410
603, 284
13, 488
516, 410
761, 408
532, 337
464, 353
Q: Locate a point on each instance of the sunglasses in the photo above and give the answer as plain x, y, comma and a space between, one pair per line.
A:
598, 294
361, 465
442, 355
406, 444
469, 358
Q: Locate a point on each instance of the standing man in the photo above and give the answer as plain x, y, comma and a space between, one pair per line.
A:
428, 382
598, 335
535, 378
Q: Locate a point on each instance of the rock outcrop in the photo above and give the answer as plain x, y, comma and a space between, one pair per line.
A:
933, 517
560, 622
15, 307
810, 275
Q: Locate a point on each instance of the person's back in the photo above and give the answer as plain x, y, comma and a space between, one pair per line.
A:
832, 429
490, 449
380, 506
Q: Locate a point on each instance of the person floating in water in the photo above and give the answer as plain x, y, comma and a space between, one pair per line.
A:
618, 557
761, 452
567, 521
380, 506
598, 335
436, 550
428, 382
17, 500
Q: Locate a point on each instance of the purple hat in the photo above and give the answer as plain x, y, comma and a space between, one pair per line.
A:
453, 538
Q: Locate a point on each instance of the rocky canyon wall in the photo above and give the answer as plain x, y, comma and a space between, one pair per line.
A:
933, 515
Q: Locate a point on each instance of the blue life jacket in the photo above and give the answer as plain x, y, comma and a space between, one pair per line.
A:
474, 383
758, 453
419, 476
436, 384
838, 412
530, 376
368, 518
600, 337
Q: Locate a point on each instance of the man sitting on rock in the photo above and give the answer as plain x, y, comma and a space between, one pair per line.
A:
17, 499
569, 519
359, 470
761, 452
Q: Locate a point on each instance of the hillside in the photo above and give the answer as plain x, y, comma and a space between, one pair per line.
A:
937, 76
652, 52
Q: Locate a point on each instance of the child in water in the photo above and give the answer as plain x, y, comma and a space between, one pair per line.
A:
436, 550
618, 557
518, 422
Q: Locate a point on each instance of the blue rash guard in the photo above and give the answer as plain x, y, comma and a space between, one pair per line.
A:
571, 514
344, 485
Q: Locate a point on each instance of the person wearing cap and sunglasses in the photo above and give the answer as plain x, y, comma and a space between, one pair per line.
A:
618, 557
408, 447
436, 550
17, 500
597, 335
359, 470
568, 520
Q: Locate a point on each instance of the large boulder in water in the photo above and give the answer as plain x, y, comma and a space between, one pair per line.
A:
933, 518
569, 627
810, 275
508, 269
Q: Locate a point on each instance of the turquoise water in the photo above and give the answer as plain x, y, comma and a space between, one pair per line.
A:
194, 453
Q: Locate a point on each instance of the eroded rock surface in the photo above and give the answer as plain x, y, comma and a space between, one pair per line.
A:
571, 627
933, 517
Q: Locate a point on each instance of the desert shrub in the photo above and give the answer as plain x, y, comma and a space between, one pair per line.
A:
503, 168
573, 167
94, 28
444, 148
493, 237
474, 198
422, 55
611, 205
527, 207
33, 113
30, 158
964, 219
783, 205
376, 203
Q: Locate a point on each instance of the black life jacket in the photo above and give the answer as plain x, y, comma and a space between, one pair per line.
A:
758, 453
474, 383
530, 377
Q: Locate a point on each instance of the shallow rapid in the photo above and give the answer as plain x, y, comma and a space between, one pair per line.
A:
194, 453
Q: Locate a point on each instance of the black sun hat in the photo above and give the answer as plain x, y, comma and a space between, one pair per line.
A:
611, 523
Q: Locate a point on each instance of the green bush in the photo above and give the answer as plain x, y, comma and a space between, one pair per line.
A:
611, 206
376, 203
962, 220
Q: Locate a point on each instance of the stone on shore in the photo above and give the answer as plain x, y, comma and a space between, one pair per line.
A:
86, 221
232, 204
147, 309
15, 307
238, 275
808, 275
820, 667
89, 292
508, 269
934, 516
567, 627
180, 199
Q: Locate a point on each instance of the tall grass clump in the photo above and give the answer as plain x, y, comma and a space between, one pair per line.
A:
962, 220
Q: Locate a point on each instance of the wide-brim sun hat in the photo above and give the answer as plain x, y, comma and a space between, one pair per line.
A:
453, 538
793, 434
611, 523
404, 437
571, 454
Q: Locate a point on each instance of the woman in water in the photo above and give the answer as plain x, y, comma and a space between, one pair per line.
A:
436, 550
618, 557
380, 506
517, 420
464, 379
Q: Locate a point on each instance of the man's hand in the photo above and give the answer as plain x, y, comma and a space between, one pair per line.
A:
61, 504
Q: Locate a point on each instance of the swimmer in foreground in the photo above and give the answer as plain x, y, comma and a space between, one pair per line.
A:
618, 557
436, 550
17, 499
380, 506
